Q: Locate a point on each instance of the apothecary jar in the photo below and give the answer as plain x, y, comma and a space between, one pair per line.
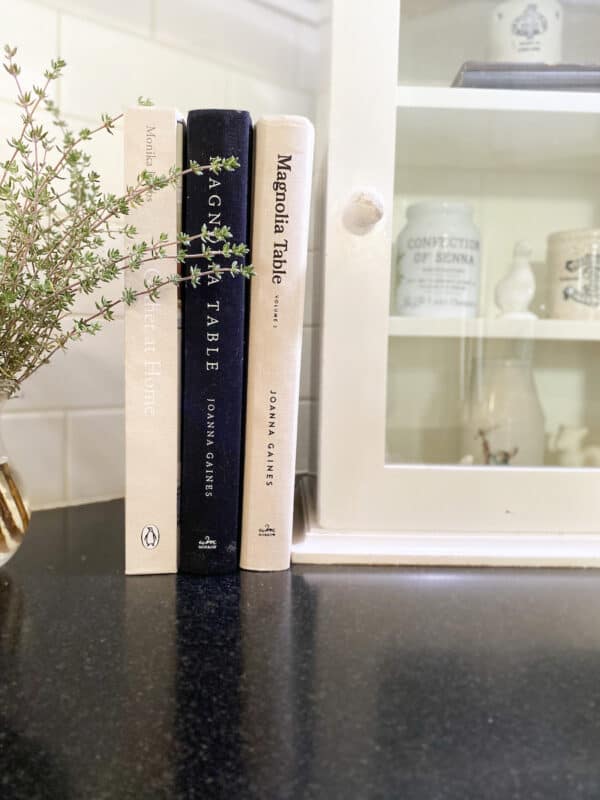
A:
438, 262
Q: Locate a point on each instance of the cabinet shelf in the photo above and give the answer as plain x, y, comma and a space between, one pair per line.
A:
552, 329
445, 97
495, 129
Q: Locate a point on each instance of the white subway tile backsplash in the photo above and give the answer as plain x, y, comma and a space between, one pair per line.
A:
307, 11
65, 431
309, 66
90, 374
33, 30
106, 151
9, 125
95, 455
237, 32
261, 97
135, 67
134, 15
36, 447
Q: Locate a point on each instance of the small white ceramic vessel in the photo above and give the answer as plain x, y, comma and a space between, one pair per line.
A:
527, 31
568, 444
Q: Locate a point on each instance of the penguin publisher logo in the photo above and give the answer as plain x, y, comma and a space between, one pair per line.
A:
150, 537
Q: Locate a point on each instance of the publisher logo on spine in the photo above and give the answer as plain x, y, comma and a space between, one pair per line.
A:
268, 530
150, 537
207, 543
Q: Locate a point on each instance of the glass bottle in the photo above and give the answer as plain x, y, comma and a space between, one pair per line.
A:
504, 422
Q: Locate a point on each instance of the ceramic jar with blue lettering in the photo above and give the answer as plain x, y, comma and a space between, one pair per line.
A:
527, 31
438, 262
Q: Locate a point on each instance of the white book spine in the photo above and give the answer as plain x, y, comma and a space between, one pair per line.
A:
281, 212
153, 143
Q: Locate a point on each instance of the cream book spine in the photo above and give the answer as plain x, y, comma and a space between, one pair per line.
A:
283, 162
153, 142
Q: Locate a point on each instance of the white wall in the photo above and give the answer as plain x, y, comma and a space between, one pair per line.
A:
65, 431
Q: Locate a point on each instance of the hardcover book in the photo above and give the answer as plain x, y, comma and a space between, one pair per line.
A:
214, 343
153, 142
281, 211
548, 77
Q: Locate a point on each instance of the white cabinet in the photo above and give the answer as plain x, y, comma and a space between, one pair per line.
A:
395, 391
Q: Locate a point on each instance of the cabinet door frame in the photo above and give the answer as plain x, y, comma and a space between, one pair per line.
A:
356, 491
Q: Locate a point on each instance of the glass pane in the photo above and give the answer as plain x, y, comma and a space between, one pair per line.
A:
494, 343
438, 36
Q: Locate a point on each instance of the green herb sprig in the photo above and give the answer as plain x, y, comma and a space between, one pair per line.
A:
58, 232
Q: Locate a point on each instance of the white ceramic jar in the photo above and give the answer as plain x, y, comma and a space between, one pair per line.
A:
574, 264
527, 31
439, 261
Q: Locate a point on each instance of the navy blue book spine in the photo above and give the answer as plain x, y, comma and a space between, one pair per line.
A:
214, 330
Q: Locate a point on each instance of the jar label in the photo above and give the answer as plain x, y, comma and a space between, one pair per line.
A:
582, 279
528, 27
438, 272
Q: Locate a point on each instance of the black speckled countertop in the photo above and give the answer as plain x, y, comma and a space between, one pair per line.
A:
317, 683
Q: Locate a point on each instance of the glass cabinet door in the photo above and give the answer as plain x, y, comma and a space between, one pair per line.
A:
459, 412
494, 329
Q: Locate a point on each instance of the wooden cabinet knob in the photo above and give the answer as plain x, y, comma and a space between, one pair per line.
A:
364, 211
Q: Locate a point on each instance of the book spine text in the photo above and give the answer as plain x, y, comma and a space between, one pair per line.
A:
214, 344
151, 356
281, 212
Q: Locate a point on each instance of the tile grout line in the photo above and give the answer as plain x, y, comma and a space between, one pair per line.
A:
99, 499
103, 22
56, 412
295, 16
5, 102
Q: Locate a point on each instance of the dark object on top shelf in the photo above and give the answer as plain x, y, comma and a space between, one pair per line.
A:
545, 77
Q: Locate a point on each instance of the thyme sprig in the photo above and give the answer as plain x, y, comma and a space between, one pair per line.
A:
60, 234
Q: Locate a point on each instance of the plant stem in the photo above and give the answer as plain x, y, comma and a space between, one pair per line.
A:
75, 333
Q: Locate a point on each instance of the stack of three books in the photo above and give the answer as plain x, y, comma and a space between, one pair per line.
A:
212, 387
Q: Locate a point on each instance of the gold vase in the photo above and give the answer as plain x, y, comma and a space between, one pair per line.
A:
14, 508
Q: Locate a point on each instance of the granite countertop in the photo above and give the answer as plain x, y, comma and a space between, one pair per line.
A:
316, 683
